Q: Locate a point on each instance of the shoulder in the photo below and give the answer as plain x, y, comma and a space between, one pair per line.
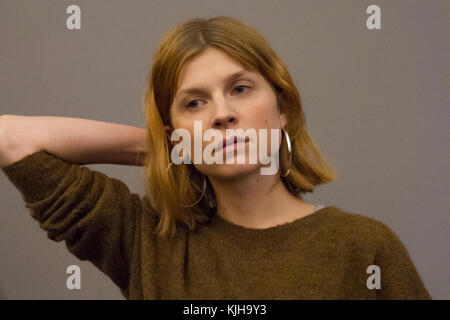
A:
354, 221
354, 226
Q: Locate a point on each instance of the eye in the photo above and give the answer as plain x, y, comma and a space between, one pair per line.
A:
242, 86
189, 105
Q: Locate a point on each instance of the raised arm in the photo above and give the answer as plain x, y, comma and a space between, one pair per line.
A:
97, 216
76, 140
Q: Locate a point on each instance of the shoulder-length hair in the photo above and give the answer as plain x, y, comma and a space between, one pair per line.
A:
171, 190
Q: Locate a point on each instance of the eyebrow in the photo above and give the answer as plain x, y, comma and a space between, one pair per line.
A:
201, 90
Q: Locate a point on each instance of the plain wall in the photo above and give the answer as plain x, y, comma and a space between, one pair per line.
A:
376, 103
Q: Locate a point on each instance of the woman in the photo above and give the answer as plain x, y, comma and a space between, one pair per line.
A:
207, 231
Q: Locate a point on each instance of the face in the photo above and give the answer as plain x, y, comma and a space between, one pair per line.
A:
206, 93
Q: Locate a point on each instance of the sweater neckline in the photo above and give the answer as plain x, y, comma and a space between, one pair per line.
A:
241, 231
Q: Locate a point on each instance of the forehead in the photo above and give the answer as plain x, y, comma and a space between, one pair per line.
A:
210, 67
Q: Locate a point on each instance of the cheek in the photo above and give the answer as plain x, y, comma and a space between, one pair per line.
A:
265, 119
268, 118
264, 113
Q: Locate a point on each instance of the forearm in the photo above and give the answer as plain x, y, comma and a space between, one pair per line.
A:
76, 140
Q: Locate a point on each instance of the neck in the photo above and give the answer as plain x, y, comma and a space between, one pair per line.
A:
257, 201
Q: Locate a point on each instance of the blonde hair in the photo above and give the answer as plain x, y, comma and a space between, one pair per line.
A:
167, 190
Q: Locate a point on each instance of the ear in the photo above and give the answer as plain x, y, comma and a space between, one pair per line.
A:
169, 133
283, 120
280, 100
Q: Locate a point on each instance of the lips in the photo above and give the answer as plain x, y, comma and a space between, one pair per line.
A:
231, 140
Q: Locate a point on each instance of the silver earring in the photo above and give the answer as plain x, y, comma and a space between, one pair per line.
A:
203, 192
288, 141
184, 160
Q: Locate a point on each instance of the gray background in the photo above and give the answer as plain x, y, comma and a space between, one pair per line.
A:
376, 103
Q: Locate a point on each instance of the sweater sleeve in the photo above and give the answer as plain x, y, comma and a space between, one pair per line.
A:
96, 215
399, 277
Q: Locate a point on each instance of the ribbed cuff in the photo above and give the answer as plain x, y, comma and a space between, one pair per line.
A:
37, 175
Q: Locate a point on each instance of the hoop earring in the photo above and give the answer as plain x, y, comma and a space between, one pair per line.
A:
203, 192
288, 141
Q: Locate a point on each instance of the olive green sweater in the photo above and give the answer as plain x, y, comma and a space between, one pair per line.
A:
325, 255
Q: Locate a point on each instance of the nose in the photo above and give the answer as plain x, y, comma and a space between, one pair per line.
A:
224, 121
224, 116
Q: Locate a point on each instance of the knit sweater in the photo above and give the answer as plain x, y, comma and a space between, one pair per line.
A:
324, 255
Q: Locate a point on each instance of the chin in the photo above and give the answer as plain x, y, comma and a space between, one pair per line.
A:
231, 171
